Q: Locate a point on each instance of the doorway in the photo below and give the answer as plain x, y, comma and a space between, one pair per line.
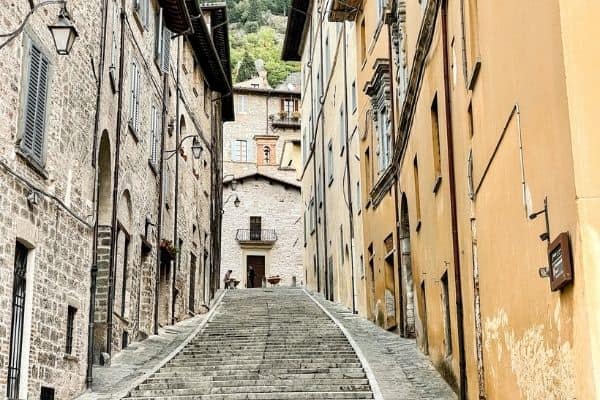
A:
258, 262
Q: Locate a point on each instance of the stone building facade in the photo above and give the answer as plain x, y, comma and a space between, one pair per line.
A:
331, 188
262, 224
103, 202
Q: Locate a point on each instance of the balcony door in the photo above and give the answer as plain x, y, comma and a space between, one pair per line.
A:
255, 228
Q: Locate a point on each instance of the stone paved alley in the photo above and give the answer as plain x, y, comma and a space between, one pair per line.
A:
274, 344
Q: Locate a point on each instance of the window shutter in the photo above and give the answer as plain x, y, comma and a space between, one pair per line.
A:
251, 151
166, 50
153, 126
35, 107
137, 100
233, 153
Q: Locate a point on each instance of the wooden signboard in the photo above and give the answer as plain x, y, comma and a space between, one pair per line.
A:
559, 262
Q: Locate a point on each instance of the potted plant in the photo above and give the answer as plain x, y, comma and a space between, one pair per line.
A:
296, 115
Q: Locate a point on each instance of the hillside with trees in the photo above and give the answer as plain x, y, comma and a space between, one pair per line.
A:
257, 30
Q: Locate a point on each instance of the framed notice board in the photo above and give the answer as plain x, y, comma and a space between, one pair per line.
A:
560, 264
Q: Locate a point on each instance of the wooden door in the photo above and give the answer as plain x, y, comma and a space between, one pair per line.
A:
258, 262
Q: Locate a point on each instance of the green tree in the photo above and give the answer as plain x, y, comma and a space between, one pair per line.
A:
246, 70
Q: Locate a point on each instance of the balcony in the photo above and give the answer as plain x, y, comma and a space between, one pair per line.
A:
261, 238
285, 119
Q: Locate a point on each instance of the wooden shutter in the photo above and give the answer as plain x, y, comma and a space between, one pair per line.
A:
153, 133
136, 112
32, 142
166, 49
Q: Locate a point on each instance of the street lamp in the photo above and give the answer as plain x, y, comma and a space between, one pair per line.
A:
63, 33
233, 181
196, 148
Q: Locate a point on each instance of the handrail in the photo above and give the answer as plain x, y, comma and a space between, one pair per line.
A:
256, 235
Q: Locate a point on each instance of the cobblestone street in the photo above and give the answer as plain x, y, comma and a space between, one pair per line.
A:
272, 344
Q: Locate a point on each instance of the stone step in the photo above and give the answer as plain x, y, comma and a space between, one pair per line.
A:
192, 375
153, 384
265, 396
207, 388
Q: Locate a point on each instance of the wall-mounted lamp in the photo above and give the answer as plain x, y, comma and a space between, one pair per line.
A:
33, 197
233, 181
197, 148
63, 32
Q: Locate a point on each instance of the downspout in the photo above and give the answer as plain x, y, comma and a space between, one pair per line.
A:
395, 183
321, 117
94, 268
176, 201
349, 181
115, 194
161, 171
453, 209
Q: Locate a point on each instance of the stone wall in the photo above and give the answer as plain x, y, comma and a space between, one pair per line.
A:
282, 213
57, 227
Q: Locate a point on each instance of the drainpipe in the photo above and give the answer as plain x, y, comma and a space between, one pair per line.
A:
94, 268
176, 201
115, 192
453, 209
349, 181
161, 168
329, 290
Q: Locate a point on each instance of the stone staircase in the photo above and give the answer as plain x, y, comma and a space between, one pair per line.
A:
262, 344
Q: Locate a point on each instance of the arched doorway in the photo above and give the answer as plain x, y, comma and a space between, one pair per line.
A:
104, 200
408, 288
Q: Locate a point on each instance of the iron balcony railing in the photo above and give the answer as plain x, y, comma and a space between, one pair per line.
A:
285, 119
252, 235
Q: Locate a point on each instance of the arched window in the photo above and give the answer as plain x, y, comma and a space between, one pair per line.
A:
267, 152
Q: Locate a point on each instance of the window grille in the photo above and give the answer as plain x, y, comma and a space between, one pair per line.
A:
18, 315
71, 311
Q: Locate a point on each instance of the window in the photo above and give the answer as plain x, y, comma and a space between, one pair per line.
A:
154, 134
47, 393
358, 197
353, 94
114, 48
243, 103
435, 138
288, 106
71, 311
162, 43
304, 147
312, 215
142, 10
368, 170
18, 316
383, 131
304, 223
239, 150
327, 59
380, 9
330, 161
34, 111
446, 311
341, 244
470, 120
319, 189
417, 195
363, 41
342, 129
134, 97
192, 292
255, 228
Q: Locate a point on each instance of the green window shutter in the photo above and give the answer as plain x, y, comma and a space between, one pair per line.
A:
32, 142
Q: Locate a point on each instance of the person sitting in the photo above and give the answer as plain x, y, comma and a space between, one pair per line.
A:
228, 280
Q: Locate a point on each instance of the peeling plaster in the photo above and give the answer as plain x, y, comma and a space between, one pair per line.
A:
543, 371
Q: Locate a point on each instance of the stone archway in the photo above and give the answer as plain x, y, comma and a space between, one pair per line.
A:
408, 288
104, 199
